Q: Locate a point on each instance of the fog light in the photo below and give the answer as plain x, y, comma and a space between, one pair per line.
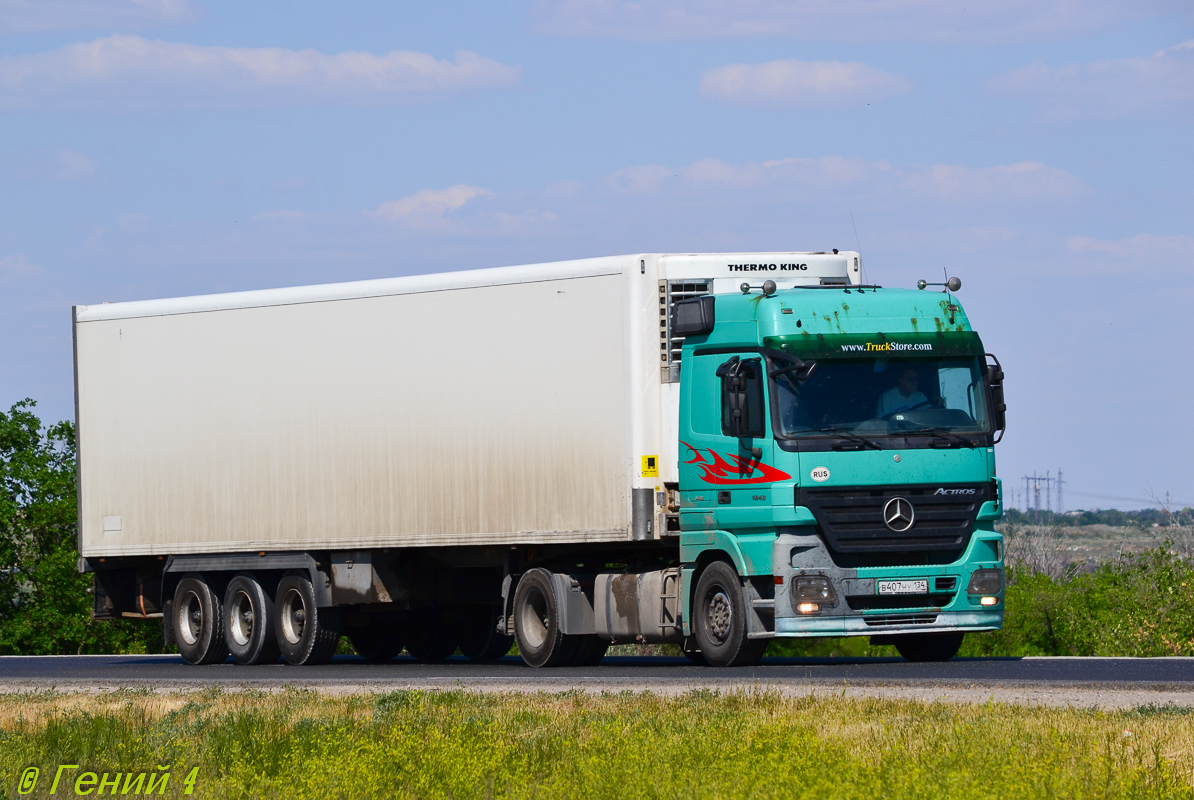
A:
989, 601
986, 581
808, 608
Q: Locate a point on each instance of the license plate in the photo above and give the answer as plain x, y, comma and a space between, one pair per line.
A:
917, 586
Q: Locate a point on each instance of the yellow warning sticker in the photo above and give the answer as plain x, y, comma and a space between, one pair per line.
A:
650, 466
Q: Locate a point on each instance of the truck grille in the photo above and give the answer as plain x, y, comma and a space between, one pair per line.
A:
900, 619
872, 602
851, 521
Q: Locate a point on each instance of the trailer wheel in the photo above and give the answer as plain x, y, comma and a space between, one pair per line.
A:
537, 623
378, 639
478, 636
928, 646
720, 619
306, 635
248, 622
430, 638
197, 622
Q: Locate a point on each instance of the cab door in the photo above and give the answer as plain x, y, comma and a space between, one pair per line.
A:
726, 446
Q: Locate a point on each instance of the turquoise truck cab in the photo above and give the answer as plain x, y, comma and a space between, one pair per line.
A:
837, 457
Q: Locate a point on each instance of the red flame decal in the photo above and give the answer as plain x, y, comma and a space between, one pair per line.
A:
719, 469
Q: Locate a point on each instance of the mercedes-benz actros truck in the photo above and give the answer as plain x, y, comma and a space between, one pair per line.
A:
709, 450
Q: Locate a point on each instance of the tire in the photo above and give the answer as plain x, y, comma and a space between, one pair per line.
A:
429, 638
197, 622
537, 623
306, 635
478, 636
589, 650
378, 639
249, 622
928, 646
719, 611
693, 651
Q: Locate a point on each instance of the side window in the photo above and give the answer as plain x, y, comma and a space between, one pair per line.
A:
703, 409
742, 391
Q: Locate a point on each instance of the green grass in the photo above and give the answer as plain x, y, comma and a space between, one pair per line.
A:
299, 744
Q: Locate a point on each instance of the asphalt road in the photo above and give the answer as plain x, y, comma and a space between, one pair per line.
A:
1172, 674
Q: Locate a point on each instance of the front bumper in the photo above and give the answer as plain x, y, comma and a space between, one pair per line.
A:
903, 622
804, 554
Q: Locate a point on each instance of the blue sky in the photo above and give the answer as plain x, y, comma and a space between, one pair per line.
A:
1039, 150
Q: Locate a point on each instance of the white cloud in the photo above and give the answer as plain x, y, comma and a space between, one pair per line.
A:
1106, 89
52, 165
133, 223
1143, 254
939, 21
132, 71
429, 206
48, 16
16, 265
800, 84
284, 215
1022, 182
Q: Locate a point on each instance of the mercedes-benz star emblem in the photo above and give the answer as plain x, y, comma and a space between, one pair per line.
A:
898, 514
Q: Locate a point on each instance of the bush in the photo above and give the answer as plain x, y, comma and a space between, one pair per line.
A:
45, 605
1141, 604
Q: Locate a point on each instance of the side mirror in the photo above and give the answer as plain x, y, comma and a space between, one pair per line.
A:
693, 316
998, 406
741, 398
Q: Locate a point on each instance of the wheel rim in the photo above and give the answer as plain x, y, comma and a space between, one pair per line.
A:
535, 619
241, 619
720, 614
190, 618
294, 616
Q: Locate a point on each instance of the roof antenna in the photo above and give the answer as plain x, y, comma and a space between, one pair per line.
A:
862, 278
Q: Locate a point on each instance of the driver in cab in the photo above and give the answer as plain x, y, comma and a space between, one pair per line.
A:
901, 397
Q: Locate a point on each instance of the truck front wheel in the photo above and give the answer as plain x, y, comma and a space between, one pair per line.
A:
928, 646
306, 635
537, 623
197, 622
719, 619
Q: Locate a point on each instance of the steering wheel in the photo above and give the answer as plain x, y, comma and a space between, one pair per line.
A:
906, 410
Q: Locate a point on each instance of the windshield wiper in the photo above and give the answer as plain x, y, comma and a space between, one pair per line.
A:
854, 437
944, 433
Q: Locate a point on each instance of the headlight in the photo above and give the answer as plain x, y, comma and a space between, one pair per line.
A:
810, 593
986, 581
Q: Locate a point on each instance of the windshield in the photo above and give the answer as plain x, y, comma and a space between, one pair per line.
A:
874, 397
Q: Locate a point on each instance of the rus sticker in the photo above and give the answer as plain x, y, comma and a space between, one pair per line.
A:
820, 474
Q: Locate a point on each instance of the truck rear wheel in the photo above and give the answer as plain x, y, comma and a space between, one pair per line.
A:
478, 636
429, 638
248, 622
589, 650
306, 635
537, 623
928, 646
197, 622
377, 639
719, 619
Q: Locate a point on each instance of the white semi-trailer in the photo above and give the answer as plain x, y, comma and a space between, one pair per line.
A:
398, 459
